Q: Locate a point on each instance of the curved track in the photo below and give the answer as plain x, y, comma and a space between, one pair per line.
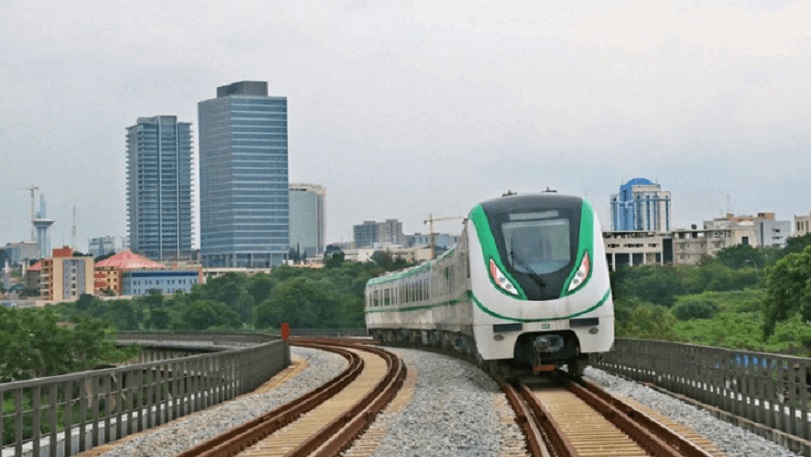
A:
564, 417
326, 420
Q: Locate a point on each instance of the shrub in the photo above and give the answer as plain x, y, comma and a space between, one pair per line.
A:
695, 309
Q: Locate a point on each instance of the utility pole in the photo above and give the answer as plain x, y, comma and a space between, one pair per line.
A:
430, 221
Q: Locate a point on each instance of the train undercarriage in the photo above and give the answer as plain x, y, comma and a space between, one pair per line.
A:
535, 353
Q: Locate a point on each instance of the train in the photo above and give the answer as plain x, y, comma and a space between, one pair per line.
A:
526, 287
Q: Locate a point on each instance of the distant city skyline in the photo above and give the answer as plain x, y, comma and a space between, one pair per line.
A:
405, 109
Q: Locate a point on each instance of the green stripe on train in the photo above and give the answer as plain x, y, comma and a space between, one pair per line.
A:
469, 295
490, 251
586, 246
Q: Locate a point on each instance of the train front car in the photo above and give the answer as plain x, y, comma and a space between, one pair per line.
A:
539, 282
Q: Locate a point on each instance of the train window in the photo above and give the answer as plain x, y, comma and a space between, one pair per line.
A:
537, 246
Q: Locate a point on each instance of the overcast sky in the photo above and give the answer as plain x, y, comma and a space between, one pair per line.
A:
401, 109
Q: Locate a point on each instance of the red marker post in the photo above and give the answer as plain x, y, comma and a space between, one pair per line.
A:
285, 331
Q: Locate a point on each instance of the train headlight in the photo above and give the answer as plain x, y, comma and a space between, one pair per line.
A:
582, 273
501, 280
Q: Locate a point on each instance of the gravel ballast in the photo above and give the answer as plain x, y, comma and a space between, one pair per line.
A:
735, 441
189, 431
452, 412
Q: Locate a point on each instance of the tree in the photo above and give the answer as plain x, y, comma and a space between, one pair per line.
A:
301, 302
651, 283
333, 256
207, 314
714, 275
639, 319
694, 309
230, 290
33, 343
259, 286
788, 290
796, 245
741, 255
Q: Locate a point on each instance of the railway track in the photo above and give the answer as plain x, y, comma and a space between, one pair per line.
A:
564, 417
325, 421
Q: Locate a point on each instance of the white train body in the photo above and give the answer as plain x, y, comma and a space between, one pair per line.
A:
528, 282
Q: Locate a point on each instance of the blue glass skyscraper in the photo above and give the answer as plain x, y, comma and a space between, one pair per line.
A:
159, 214
640, 205
243, 177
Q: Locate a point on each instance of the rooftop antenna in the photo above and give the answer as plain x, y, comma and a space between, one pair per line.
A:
73, 230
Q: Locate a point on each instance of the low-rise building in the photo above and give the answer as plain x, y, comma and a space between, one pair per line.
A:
413, 254
141, 282
802, 225
64, 277
637, 247
691, 245
127, 273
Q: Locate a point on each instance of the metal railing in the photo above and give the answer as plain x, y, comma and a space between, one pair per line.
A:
765, 393
68, 414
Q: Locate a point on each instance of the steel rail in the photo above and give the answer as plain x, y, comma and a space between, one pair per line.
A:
680, 443
528, 423
241, 437
659, 441
339, 434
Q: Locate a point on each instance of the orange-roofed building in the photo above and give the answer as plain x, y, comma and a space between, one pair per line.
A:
127, 273
128, 260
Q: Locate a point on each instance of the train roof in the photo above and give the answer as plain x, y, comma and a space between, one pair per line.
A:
513, 202
410, 271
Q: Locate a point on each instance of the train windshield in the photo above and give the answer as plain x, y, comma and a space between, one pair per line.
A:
537, 243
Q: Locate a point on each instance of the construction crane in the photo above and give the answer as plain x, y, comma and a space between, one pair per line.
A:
33, 190
430, 221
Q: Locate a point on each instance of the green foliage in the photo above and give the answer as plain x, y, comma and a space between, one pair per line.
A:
796, 245
741, 255
209, 315
714, 275
655, 284
788, 287
726, 329
304, 297
685, 310
33, 343
638, 319
333, 257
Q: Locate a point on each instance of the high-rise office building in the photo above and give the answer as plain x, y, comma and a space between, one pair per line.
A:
307, 224
386, 233
641, 205
100, 246
159, 188
243, 177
